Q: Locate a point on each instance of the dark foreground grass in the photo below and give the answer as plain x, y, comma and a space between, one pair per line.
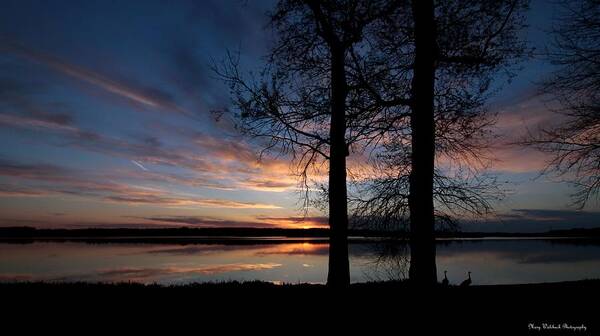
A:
519, 309
251, 286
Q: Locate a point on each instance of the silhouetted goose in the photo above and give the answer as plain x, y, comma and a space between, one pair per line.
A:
445, 282
467, 282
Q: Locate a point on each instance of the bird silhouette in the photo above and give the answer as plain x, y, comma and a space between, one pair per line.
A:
445, 282
467, 281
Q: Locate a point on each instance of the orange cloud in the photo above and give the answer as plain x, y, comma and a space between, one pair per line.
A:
260, 221
296, 221
216, 163
57, 180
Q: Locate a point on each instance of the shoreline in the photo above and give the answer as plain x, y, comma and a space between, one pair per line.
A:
250, 233
274, 240
257, 284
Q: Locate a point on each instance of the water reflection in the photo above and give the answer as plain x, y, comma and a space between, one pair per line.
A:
491, 261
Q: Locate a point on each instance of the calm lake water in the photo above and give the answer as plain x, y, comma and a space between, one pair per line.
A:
491, 261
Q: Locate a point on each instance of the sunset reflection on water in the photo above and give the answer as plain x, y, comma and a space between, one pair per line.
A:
492, 262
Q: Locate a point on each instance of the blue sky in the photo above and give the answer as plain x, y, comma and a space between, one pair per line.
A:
106, 120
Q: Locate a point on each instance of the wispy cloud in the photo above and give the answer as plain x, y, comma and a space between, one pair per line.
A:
296, 221
516, 120
203, 221
281, 184
53, 125
8, 190
223, 162
259, 221
139, 165
120, 89
58, 180
136, 197
218, 163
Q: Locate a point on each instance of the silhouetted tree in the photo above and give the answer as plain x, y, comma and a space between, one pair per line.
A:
347, 75
575, 143
307, 101
447, 53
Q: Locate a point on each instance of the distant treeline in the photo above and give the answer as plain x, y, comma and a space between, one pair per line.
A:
31, 232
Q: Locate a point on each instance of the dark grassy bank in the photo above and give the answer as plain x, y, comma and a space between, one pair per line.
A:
483, 309
591, 285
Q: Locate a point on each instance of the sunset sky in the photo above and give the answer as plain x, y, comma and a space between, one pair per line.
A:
106, 121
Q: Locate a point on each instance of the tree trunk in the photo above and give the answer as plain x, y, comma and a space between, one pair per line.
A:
339, 268
422, 222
